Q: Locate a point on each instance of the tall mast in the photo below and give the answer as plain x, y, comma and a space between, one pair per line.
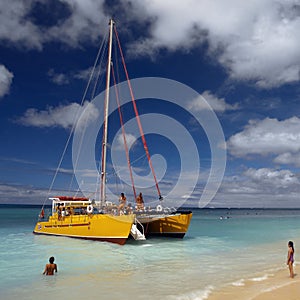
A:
106, 106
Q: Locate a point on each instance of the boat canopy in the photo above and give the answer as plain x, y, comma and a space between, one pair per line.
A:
69, 198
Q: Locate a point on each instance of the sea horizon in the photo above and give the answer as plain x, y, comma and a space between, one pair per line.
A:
180, 208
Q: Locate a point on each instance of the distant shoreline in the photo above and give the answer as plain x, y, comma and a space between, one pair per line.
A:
18, 205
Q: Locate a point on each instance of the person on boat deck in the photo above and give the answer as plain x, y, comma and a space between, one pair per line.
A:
68, 211
59, 210
51, 267
63, 212
140, 201
129, 209
42, 214
122, 201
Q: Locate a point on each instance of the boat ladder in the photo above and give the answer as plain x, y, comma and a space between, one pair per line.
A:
136, 233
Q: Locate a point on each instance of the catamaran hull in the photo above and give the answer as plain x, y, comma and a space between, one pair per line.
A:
105, 228
119, 241
168, 226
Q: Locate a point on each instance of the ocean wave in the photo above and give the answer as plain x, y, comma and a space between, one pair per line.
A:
240, 282
275, 287
204, 293
195, 295
261, 278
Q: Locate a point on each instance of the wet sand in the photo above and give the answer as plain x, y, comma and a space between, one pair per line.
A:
275, 286
290, 291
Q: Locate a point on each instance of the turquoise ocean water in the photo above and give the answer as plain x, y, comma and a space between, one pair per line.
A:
221, 247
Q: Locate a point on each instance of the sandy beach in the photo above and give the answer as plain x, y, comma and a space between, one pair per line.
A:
291, 291
274, 286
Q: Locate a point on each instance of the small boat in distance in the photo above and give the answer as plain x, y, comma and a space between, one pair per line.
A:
103, 220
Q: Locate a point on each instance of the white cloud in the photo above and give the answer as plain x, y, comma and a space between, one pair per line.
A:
130, 140
84, 23
25, 194
217, 104
16, 28
84, 74
275, 178
256, 41
268, 54
58, 78
61, 116
264, 187
268, 136
288, 158
64, 78
5, 80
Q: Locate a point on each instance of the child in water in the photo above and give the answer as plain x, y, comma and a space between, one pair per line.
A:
290, 258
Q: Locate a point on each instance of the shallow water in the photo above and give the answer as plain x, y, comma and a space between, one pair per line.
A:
221, 247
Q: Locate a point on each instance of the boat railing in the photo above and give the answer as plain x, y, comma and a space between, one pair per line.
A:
138, 223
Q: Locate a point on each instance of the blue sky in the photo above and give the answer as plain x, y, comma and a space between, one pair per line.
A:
243, 59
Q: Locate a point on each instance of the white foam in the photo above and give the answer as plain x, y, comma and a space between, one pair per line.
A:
275, 287
195, 295
262, 278
204, 293
240, 282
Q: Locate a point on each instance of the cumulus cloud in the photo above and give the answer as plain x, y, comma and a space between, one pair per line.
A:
255, 188
78, 22
84, 23
65, 78
217, 104
6, 78
255, 41
130, 140
58, 78
265, 49
268, 136
61, 116
15, 28
288, 158
274, 178
260, 188
84, 74
26, 194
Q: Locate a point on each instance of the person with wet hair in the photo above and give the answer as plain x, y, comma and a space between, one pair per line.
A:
51, 267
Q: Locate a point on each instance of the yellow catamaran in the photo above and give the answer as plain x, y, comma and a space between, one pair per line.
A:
81, 217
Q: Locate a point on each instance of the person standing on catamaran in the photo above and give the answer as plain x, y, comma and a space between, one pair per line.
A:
140, 201
122, 201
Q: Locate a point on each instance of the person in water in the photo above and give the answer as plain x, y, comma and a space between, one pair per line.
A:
51, 267
122, 201
290, 258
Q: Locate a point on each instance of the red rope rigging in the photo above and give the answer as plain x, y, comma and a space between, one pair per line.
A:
123, 133
137, 115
